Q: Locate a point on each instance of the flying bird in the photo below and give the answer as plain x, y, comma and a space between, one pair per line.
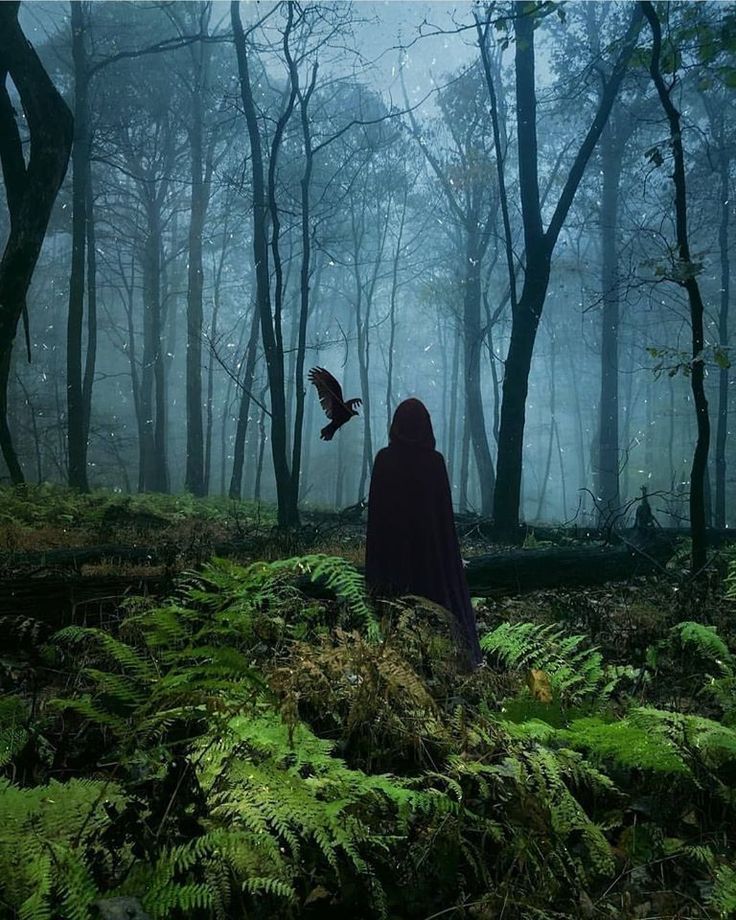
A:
336, 408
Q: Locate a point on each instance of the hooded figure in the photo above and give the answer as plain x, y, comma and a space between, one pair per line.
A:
411, 546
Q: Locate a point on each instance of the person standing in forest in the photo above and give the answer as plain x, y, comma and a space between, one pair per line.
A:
411, 545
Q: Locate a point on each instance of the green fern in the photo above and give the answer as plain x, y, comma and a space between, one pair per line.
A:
347, 583
695, 661
286, 784
277, 797
626, 744
144, 689
241, 591
240, 594
723, 896
275, 794
13, 727
700, 645
575, 671
657, 741
221, 800
46, 837
537, 783
704, 743
705, 641
731, 577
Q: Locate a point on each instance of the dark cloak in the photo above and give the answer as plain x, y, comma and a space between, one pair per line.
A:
411, 546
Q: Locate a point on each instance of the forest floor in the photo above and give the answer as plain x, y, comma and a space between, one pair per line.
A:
43, 525
39, 518
42, 528
60, 549
253, 738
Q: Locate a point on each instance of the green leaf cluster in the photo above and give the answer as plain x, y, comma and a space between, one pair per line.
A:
268, 743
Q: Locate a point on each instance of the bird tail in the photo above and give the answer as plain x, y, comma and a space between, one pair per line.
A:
328, 432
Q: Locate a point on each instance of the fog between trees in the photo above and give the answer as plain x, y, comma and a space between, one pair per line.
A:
257, 191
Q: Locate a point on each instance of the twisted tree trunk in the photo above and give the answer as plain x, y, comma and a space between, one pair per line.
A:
30, 187
687, 278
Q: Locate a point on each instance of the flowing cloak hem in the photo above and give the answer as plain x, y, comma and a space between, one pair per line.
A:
411, 543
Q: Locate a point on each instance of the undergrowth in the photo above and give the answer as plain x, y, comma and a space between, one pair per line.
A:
51, 504
43, 517
267, 743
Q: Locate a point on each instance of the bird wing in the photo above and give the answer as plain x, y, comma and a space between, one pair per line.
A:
328, 390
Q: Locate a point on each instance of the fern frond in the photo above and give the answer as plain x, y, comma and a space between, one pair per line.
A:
723, 895
575, 671
13, 730
625, 742
124, 656
45, 833
345, 580
695, 637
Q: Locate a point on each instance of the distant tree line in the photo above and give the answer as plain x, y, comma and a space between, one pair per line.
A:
538, 245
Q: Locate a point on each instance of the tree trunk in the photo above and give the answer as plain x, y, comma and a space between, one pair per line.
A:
464, 466
552, 428
172, 284
608, 497
90, 361
521, 570
582, 452
309, 436
495, 384
442, 435
236, 481
392, 313
34, 429
145, 446
363, 305
507, 497
160, 481
6, 440
304, 279
340, 474
261, 449
77, 442
452, 432
195, 473
631, 400
153, 409
649, 428
131, 352
723, 336
211, 367
689, 281
270, 331
226, 410
473, 343
539, 245
210, 396
31, 187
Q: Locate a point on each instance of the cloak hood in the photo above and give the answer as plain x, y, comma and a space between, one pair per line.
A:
412, 425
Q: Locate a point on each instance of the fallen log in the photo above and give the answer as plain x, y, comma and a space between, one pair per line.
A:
175, 557
520, 570
63, 599
60, 598
467, 525
74, 558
